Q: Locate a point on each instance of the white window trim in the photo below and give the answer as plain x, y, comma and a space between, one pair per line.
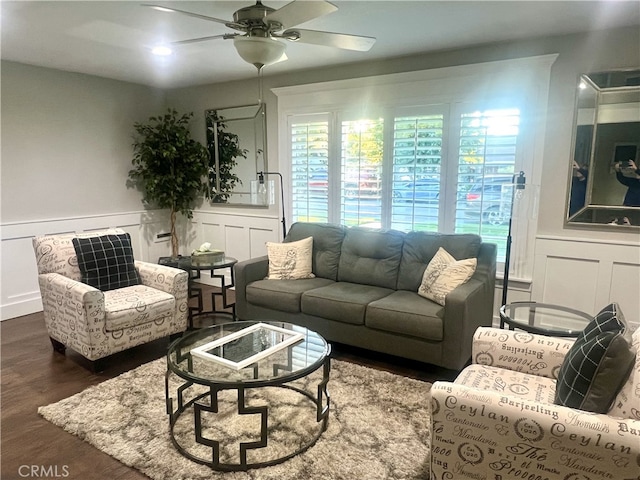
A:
524, 78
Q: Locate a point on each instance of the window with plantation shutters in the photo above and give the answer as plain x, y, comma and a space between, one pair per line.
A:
485, 166
309, 170
433, 150
361, 172
401, 184
416, 172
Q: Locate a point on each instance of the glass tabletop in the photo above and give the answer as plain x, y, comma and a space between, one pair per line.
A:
247, 352
202, 262
544, 318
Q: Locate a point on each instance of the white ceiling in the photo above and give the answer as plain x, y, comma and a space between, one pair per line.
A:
113, 39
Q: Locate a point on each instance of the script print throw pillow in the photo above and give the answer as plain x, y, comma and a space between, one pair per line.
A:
597, 365
106, 262
443, 274
291, 260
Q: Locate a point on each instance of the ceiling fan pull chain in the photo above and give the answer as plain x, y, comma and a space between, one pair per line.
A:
260, 90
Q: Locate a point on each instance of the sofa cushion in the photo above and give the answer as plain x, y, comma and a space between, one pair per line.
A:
327, 244
106, 262
291, 260
342, 301
132, 306
443, 274
597, 365
509, 383
282, 295
420, 247
371, 257
406, 313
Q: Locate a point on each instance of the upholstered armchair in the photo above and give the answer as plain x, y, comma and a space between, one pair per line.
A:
100, 322
498, 419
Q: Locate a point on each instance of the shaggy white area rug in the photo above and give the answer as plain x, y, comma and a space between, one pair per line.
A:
378, 427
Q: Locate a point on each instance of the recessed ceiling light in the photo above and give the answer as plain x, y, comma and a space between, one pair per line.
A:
161, 50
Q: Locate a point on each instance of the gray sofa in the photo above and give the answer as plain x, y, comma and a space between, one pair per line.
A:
365, 292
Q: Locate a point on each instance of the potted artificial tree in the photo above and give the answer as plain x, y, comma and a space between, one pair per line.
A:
169, 166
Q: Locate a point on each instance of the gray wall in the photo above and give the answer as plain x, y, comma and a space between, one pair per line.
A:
66, 143
71, 133
66, 152
597, 51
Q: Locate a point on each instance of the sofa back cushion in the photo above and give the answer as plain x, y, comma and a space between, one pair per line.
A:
371, 257
420, 247
327, 244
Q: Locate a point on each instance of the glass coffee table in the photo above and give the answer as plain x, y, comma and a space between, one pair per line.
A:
247, 394
544, 319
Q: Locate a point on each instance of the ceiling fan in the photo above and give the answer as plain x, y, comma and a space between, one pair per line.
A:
264, 27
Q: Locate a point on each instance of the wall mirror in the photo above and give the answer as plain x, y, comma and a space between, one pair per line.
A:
604, 188
236, 139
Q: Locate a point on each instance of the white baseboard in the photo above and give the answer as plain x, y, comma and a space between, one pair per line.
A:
240, 236
20, 308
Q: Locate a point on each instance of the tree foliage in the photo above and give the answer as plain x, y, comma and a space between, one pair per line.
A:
170, 167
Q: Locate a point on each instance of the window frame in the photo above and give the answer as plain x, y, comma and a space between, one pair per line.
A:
518, 83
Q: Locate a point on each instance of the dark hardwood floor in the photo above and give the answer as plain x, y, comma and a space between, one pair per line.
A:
34, 375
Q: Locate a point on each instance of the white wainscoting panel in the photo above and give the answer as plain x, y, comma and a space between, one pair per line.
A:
563, 289
588, 275
239, 236
258, 240
20, 293
577, 273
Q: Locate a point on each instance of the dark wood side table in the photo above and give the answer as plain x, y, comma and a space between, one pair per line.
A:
544, 319
194, 265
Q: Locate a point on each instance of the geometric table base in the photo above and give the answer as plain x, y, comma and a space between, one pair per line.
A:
232, 426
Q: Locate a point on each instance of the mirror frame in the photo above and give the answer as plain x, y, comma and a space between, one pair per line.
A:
249, 143
591, 214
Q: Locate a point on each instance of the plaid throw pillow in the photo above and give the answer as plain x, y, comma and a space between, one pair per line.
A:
597, 365
106, 262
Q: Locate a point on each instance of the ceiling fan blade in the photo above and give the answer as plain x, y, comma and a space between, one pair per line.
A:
329, 39
204, 39
162, 8
295, 13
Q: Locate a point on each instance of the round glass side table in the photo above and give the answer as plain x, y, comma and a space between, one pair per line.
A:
544, 319
194, 265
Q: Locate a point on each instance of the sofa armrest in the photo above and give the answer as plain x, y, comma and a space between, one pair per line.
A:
73, 313
520, 351
162, 277
246, 272
498, 436
169, 280
468, 307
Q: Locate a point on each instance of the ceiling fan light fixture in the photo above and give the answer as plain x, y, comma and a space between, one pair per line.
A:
259, 51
